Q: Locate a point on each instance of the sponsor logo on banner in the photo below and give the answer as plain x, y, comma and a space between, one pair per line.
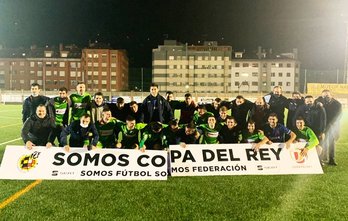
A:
80, 164
28, 162
241, 159
296, 156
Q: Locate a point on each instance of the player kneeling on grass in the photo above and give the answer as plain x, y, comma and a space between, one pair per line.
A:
256, 137
128, 135
229, 132
37, 129
188, 135
106, 129
276, 132
171, 132
82, 134
306, 134
210, 131
153, 138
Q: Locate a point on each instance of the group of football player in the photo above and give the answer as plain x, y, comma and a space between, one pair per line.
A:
80, 120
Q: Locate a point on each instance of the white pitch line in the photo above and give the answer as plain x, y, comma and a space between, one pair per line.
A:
10, 125
10, 141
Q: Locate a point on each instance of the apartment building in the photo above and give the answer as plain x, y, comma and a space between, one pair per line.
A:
101, 69
203, 68
259, 72
210, 68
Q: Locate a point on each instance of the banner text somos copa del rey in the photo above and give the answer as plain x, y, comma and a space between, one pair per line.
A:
119, 164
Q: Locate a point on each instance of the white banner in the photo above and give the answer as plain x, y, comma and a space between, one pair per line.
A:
81, 164
240, 159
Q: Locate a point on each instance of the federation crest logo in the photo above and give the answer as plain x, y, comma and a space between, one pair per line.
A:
297, 156
28, 162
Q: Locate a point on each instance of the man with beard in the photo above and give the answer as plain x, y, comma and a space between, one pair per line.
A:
59, 107
333, 110
277, 103
314, 117
155, 106
259, 113
293, 104
276, 132
106, 129
37, 129
188, 134
33, 101
214, 107
97, 106
240, 109
128, 136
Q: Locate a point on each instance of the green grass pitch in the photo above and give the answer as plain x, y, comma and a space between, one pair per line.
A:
291, 197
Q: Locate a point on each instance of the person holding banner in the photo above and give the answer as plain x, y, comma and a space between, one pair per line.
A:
82, 134
210, 131
306, 134
106, 129
170, 132
188, 134
153, 138
37, 129
256, 137
128, 135
276, 132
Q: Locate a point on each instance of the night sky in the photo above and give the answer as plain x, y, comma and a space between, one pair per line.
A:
315, 27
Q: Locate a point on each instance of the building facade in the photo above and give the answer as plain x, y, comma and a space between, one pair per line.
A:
180, 68
210, 68
261, 71
100, 69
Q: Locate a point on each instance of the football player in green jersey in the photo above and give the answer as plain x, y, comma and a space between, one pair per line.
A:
128, 135
106, 130
256, 137
60, 110
210, 131
80, 102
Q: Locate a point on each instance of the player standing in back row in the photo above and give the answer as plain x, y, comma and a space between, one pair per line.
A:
80, 102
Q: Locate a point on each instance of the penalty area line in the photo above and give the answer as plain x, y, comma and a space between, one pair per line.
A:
19, 194
10, 141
